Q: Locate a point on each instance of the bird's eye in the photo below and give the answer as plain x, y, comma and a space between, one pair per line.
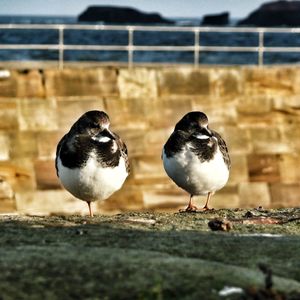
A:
94, 125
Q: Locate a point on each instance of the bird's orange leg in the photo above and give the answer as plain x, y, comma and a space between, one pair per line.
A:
90, 208
190, 207
206, 204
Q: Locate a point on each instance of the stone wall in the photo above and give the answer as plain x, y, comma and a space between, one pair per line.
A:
257, 110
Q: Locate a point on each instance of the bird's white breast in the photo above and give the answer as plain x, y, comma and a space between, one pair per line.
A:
194, 176
92, 182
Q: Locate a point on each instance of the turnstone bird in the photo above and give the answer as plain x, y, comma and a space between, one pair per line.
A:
196, 158
92, 161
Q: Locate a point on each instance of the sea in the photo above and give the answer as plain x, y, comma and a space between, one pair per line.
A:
91, 37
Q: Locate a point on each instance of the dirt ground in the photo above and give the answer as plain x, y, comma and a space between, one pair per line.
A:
254, 255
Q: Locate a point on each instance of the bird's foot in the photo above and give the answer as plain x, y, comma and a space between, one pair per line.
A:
189, 209
206, 208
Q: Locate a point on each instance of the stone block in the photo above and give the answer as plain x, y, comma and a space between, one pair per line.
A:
9, 84
148, 166
291, 136
6, 190
23, 145
254, 104
7, 206
237, 139
30, 84
130, 113
137, 83
81, 82
221, 200
5, 146
254, 194
8, 114
18, 174
183, 81
285, 195
269, 80
126, 199
239, 170
37, 114
269, 140
49, 202
226, 82
289, 168
165, 199
263, 168
69, 111
218, 115
134, 140
47, 142
167, 111
45, 174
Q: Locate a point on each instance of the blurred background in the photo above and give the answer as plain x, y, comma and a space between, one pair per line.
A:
147, 63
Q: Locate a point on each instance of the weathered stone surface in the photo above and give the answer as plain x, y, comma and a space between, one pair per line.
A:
37, 114
254, 194
263, 168
285, 195
69, 111
226, 82
6, 190
269, 80
237, 139
7, 206
5, 146
256, 110
218, 114
47, 202
183, 81
45, 173
254, 104
147, 167
18, 174
81, 82
8, 85
8, 114
30, 84
126, 199
239, 169
47, 142
23, 145
137, 83
289, 168
268, 140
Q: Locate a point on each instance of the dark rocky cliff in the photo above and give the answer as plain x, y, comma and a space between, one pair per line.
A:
218, 19
276, 13
113, 14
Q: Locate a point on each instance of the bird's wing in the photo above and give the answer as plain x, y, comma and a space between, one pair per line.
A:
123, 150
58, 148
223, 148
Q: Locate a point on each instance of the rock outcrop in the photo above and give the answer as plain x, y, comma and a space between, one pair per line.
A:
276, 13
120, 15
218, 19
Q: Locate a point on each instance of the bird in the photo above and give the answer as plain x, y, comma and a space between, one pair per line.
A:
196, 158
92, 161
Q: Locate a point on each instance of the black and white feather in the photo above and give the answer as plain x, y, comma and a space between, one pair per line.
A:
195, 157
92, 161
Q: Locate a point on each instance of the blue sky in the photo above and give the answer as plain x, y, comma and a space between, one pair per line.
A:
168, 8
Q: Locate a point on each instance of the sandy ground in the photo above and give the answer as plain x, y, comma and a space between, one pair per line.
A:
152, 256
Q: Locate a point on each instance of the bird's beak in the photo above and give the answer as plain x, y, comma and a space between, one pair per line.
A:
106, 132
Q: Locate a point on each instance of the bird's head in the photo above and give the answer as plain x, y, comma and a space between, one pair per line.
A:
92, 123
194, 121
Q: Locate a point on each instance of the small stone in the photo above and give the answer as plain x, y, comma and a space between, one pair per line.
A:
248, 214
219, 225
